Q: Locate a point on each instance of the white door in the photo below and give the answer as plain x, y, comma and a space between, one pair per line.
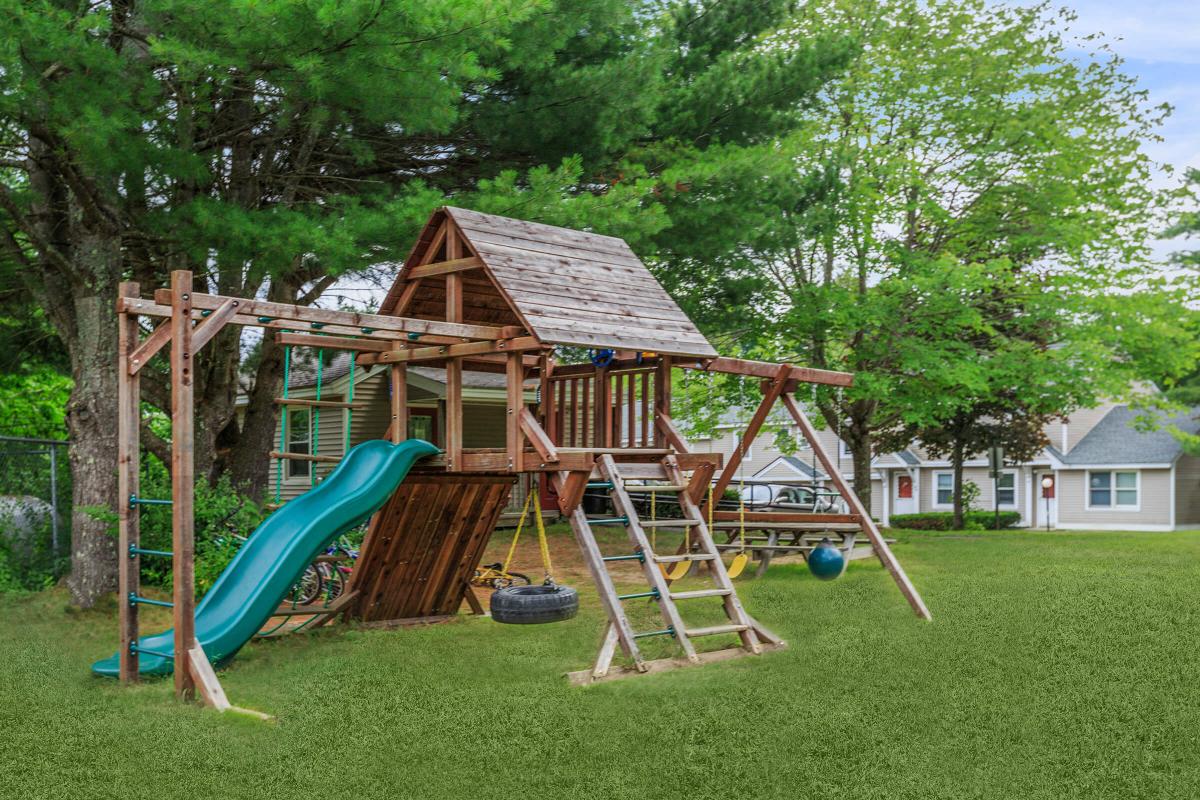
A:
904, 494
1045, 490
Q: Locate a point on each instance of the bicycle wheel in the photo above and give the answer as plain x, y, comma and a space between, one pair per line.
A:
335, 584
511, 579
308, 588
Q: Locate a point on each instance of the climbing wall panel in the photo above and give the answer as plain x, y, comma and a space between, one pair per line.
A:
425, 543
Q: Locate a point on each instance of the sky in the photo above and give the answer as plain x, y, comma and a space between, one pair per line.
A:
1160, 41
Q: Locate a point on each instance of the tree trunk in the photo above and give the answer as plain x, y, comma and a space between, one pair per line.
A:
92, 420
860, 449
956, 463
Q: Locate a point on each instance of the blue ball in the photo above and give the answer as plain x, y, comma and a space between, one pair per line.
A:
826, 561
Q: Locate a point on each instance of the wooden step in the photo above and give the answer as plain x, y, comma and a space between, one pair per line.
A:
687, 557
669, 523
619, 451
761, 525
692, 595
716, 630
636, 471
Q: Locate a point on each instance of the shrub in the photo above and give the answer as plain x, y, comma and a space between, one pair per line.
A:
944, 520
222, 515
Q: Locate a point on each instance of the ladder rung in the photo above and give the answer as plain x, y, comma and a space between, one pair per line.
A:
133, 648
134, 500
134, 550
700, 593
634, 595
670, 523
608, 521
687, 557
600, 485
717, 629
663, 632
632, 557
135, 600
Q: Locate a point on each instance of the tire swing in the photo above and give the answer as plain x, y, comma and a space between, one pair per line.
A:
532, 605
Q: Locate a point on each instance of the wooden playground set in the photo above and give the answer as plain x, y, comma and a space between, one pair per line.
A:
487, 293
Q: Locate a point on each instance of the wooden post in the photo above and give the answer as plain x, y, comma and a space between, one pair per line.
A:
546, 390
515, 379
454, 313
399, 376
882, 551
603, 395
128, 453
662, 397
182, 477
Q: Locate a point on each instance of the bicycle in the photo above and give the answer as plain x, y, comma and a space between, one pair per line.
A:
494, 576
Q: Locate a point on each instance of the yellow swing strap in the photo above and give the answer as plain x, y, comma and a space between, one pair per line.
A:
512, 548
543, 542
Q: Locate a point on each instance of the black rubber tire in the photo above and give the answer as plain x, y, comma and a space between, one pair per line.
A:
532, 605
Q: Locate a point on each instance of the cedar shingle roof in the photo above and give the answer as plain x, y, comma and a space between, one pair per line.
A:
565, 286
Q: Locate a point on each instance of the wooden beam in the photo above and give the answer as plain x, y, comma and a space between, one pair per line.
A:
210, 326
670, 435
451, 351
305, 457
882, 551
770, 395
205, 678
570, 487
700, 481
183, 479
150, 308
335, 342
765, 369
444, 267
147, 349
454, 387
353, 319
537, 436
399, 378
515, 395
128, 472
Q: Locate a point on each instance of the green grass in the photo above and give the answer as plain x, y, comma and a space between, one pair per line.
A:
1057, 665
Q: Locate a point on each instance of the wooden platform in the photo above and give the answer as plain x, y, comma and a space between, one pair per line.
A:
424, 545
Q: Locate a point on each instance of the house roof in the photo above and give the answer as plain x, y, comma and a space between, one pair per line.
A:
1114, 440
564, 286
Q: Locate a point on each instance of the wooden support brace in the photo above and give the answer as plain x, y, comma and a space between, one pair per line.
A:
205, 678
669, 433
882, 551
210, 326
444, 267
772, 393
148, 348
538, 437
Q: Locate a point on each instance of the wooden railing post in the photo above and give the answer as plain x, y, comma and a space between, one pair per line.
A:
454, 366
182, 479
128, 457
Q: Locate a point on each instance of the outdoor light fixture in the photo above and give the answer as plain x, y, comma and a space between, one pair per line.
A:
1047, 485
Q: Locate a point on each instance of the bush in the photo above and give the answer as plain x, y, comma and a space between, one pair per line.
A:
944, 520
222, 515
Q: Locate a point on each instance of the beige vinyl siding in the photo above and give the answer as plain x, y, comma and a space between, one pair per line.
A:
1154, 499
1079, 425
979, 475
484, 425
1187, 491
876, 498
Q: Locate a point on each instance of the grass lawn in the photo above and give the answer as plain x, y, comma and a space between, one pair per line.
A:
1057, 665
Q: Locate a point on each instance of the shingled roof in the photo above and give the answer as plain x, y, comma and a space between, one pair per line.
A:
564, 286
1114, 440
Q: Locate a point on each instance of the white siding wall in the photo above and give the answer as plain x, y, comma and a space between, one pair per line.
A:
1154, 500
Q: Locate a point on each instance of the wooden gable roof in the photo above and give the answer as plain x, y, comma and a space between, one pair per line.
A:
564, 286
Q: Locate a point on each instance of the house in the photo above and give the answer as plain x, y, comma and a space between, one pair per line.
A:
1099, 473
321, 430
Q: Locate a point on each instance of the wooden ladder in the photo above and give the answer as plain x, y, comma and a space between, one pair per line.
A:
700, 548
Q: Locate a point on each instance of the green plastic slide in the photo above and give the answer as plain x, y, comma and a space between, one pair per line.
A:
274, 557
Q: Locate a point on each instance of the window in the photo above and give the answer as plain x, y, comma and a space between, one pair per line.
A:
844, 449
1112, 490
299, 441
904, 487
1006, 489
945, 488
422, 424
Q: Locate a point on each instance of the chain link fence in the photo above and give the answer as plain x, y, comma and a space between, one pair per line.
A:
35, 512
